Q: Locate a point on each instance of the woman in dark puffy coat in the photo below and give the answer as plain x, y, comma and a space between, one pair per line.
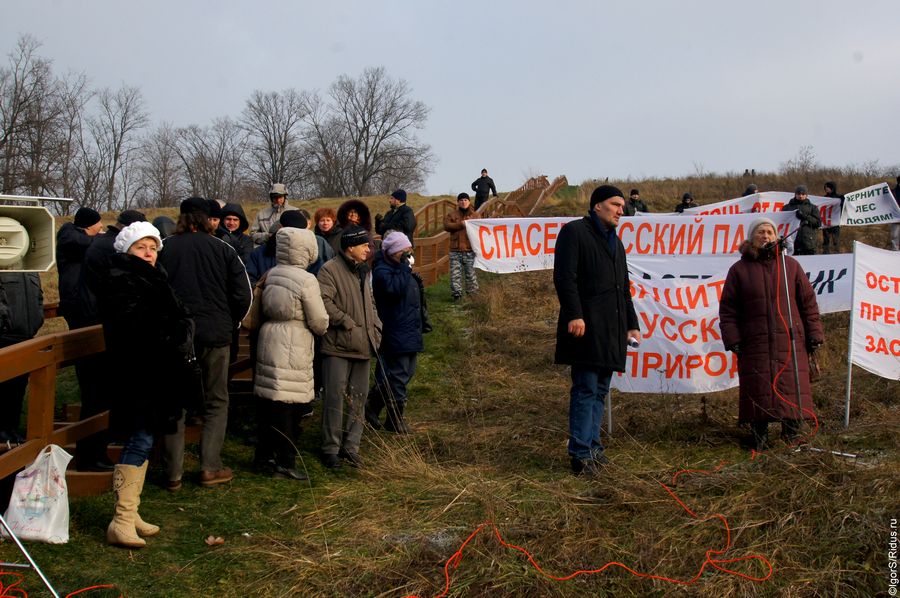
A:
399, 304
754, 322
148, 337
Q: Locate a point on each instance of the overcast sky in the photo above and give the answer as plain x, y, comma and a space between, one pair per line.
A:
588, 89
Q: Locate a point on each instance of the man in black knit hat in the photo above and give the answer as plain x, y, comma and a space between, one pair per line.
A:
596, 319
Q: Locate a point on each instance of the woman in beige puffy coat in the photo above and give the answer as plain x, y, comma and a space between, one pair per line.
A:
292, 311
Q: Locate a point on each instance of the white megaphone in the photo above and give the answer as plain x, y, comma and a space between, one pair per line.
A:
27, 239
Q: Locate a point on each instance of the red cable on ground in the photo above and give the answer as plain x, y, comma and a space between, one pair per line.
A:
13, 591
711, 554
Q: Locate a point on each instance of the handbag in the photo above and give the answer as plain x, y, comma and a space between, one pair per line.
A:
423, 307
253, 319
39, 505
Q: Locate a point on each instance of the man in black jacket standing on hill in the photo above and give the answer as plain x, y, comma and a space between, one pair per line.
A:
808, 215
596, 319
635, 204
483, 186
400, 217
211, 281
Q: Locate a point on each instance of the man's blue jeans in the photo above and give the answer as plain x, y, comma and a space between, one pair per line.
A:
586, 401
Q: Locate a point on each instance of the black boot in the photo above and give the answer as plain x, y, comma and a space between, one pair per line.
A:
790, 431
374, 404
760, 435
394, 422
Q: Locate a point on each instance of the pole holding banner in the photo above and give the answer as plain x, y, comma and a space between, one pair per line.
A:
850, 341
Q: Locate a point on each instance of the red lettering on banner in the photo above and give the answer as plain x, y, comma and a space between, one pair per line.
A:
533, 249
699, 298
659, 245
642, 365
695, 243
720, 369
723, 230
500, 231
649, 325
650, 362
718, 285
643, 227
677, 239
485, 253
737, 239
691, 337
709, 330
675, 303
883, 346
517, 243
550, 237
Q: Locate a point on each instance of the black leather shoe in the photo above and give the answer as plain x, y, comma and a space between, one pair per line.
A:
589, 468
331, 461
353, 459
285, 473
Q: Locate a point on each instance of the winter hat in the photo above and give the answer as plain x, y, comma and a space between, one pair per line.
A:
194, 205
165, 226
688, 195
462, 196
604, 192
399, 195
215, 210
635, 192
135, 232
759, 222
801, 190
830, 185
394, 242
86, 217
353, 236
278, 189
130, 216
293, 219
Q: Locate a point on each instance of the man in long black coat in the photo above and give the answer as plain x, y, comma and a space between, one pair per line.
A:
596, 318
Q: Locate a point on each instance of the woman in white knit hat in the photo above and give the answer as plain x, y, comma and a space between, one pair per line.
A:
149, 339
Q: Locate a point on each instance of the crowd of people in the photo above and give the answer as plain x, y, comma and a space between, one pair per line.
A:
335, 299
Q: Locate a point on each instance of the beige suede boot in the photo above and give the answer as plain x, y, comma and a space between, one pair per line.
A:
127, 481
143, 528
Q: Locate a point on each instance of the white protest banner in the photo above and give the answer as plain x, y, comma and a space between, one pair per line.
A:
872, 205
875, 318
519, 244
681, 350
768, 202
831, 276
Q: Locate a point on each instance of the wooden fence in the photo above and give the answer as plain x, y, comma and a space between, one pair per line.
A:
42, 357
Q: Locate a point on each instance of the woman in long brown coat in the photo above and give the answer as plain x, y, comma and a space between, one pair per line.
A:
754, 322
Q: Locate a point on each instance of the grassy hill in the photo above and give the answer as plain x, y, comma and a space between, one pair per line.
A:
489, 410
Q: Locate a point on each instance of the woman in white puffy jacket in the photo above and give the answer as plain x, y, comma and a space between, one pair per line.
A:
292, 312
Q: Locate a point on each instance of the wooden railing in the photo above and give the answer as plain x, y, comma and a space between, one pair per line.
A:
42, 357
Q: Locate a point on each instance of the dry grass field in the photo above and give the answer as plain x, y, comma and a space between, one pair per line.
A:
489, 411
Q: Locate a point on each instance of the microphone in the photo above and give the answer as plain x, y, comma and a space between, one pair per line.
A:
772, 244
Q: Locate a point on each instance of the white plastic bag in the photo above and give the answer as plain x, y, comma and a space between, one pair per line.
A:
39, 505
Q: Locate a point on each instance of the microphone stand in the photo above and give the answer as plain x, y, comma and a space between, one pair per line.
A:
779, 246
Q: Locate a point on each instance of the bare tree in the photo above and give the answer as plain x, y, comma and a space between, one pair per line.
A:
328, 152
114, 129
273, 122
369, 132
161, 169
803, 162
29, 108
213, 158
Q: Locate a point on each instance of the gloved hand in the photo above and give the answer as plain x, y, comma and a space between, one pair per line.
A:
799, 215
735, 348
